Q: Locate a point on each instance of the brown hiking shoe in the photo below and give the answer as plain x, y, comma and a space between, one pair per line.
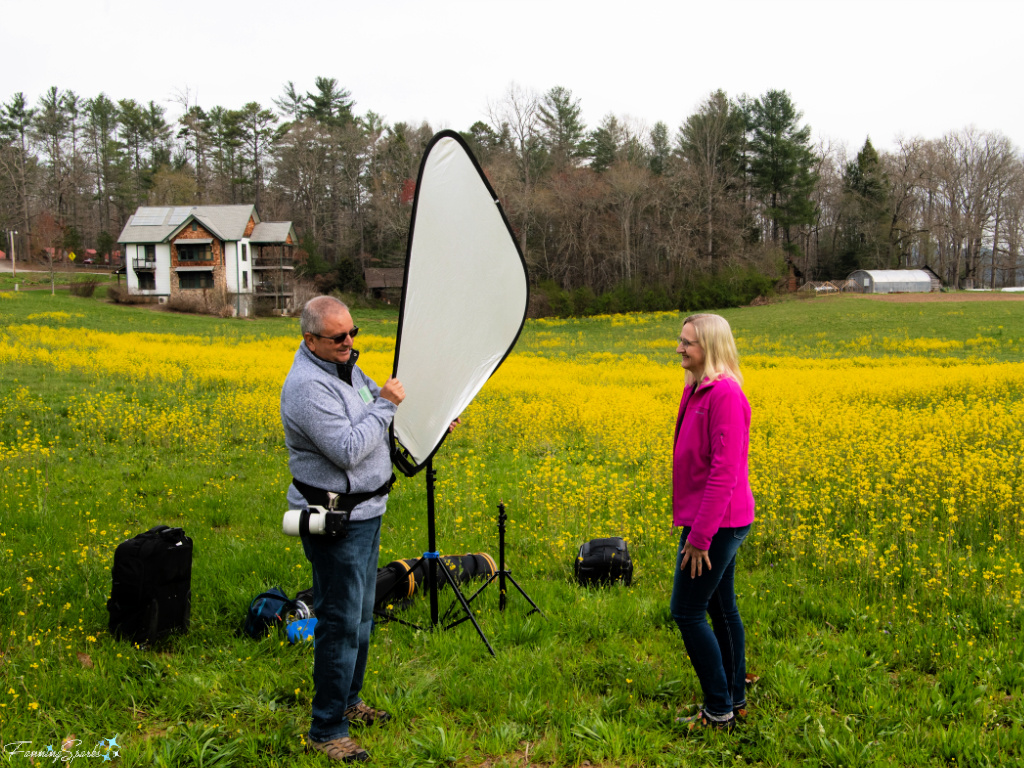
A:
360, 713
702, 721
344, 750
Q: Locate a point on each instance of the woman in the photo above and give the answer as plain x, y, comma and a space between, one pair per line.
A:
711, 500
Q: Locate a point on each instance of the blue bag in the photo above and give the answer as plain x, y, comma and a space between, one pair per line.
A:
270, 609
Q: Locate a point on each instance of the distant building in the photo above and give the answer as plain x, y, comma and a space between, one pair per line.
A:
384, 283
209, 247
894, 280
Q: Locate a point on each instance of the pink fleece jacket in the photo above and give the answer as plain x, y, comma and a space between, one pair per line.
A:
710, 482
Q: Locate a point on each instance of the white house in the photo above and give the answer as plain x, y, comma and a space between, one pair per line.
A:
197, 247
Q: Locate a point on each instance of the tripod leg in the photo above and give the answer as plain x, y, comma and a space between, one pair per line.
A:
465, 607
482, 587
521, 592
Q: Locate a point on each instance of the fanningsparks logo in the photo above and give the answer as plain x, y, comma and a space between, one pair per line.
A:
69, 750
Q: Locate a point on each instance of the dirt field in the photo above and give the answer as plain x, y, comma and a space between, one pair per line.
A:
915, 298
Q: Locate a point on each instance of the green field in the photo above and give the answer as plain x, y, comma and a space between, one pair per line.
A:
907, 654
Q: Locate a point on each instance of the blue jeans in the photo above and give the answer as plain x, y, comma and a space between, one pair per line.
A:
344, 584
718, 652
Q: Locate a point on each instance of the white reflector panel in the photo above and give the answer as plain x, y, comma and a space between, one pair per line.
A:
463, 300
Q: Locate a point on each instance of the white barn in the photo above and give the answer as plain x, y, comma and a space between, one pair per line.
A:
894, 280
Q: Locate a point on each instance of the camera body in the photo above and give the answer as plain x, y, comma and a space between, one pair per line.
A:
319, 520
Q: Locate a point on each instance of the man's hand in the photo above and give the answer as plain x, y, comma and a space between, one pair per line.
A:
696, 558
393, 391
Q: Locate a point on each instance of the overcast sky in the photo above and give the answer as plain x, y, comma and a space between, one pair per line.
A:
880, 68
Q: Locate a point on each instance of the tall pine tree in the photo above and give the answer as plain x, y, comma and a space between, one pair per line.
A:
782, 166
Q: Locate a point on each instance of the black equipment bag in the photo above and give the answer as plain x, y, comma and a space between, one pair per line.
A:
604, 561
399, 579
151, 595
395, 584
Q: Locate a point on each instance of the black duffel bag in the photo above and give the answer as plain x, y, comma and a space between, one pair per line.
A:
399, 579
604, 561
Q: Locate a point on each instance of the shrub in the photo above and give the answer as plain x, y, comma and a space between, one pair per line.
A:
729, 287
119, 295
201, 303
85, 287
303, 291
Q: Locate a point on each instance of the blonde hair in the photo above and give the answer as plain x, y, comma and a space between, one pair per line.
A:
720, 356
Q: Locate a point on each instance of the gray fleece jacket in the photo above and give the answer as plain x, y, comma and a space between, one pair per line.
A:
336, 433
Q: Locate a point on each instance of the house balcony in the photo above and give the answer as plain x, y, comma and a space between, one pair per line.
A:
144, 264
269, 288
264, 263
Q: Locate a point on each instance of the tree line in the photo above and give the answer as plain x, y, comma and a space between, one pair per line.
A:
618, 215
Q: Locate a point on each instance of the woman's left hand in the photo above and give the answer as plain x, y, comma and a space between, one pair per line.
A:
696, 558
454, 424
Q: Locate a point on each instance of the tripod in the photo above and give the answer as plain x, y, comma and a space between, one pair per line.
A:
502, 573
429, 562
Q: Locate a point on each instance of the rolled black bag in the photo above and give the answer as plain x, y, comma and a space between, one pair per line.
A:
601, 562
396, 583
478, 566
465, 568
399, 580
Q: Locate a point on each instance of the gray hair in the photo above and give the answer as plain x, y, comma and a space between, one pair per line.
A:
316, 310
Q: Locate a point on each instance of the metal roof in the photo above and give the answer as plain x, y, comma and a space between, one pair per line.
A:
272, 233
152, 224
896, 275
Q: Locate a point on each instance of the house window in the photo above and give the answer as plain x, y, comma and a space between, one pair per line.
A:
195, 227
245, 279
245, 251
147, 252
147, 281
195, 252
193, 281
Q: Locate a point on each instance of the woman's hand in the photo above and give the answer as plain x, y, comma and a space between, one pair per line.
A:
696, 558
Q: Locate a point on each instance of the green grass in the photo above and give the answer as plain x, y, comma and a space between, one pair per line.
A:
849, 677
34, 278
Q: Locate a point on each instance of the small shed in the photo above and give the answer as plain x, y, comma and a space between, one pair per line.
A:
892, 280
936, 280
384, 283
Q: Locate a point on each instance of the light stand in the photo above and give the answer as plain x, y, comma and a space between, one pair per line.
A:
503, 573
429, 562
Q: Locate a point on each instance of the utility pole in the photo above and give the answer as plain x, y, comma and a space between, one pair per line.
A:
14, 268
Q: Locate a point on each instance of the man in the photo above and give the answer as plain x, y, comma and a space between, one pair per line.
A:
336, 429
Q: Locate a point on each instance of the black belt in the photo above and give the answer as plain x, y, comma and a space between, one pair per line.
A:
343, 502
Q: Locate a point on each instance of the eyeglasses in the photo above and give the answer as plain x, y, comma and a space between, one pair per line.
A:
340, 338
685, 344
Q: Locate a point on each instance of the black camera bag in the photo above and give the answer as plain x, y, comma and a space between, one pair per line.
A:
399, 579
151, 596
604, 561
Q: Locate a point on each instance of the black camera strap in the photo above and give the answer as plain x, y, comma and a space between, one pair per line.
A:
343, 502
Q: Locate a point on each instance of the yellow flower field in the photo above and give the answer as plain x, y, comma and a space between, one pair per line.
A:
900, 473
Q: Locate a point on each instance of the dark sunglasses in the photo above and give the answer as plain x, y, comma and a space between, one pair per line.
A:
340, 338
